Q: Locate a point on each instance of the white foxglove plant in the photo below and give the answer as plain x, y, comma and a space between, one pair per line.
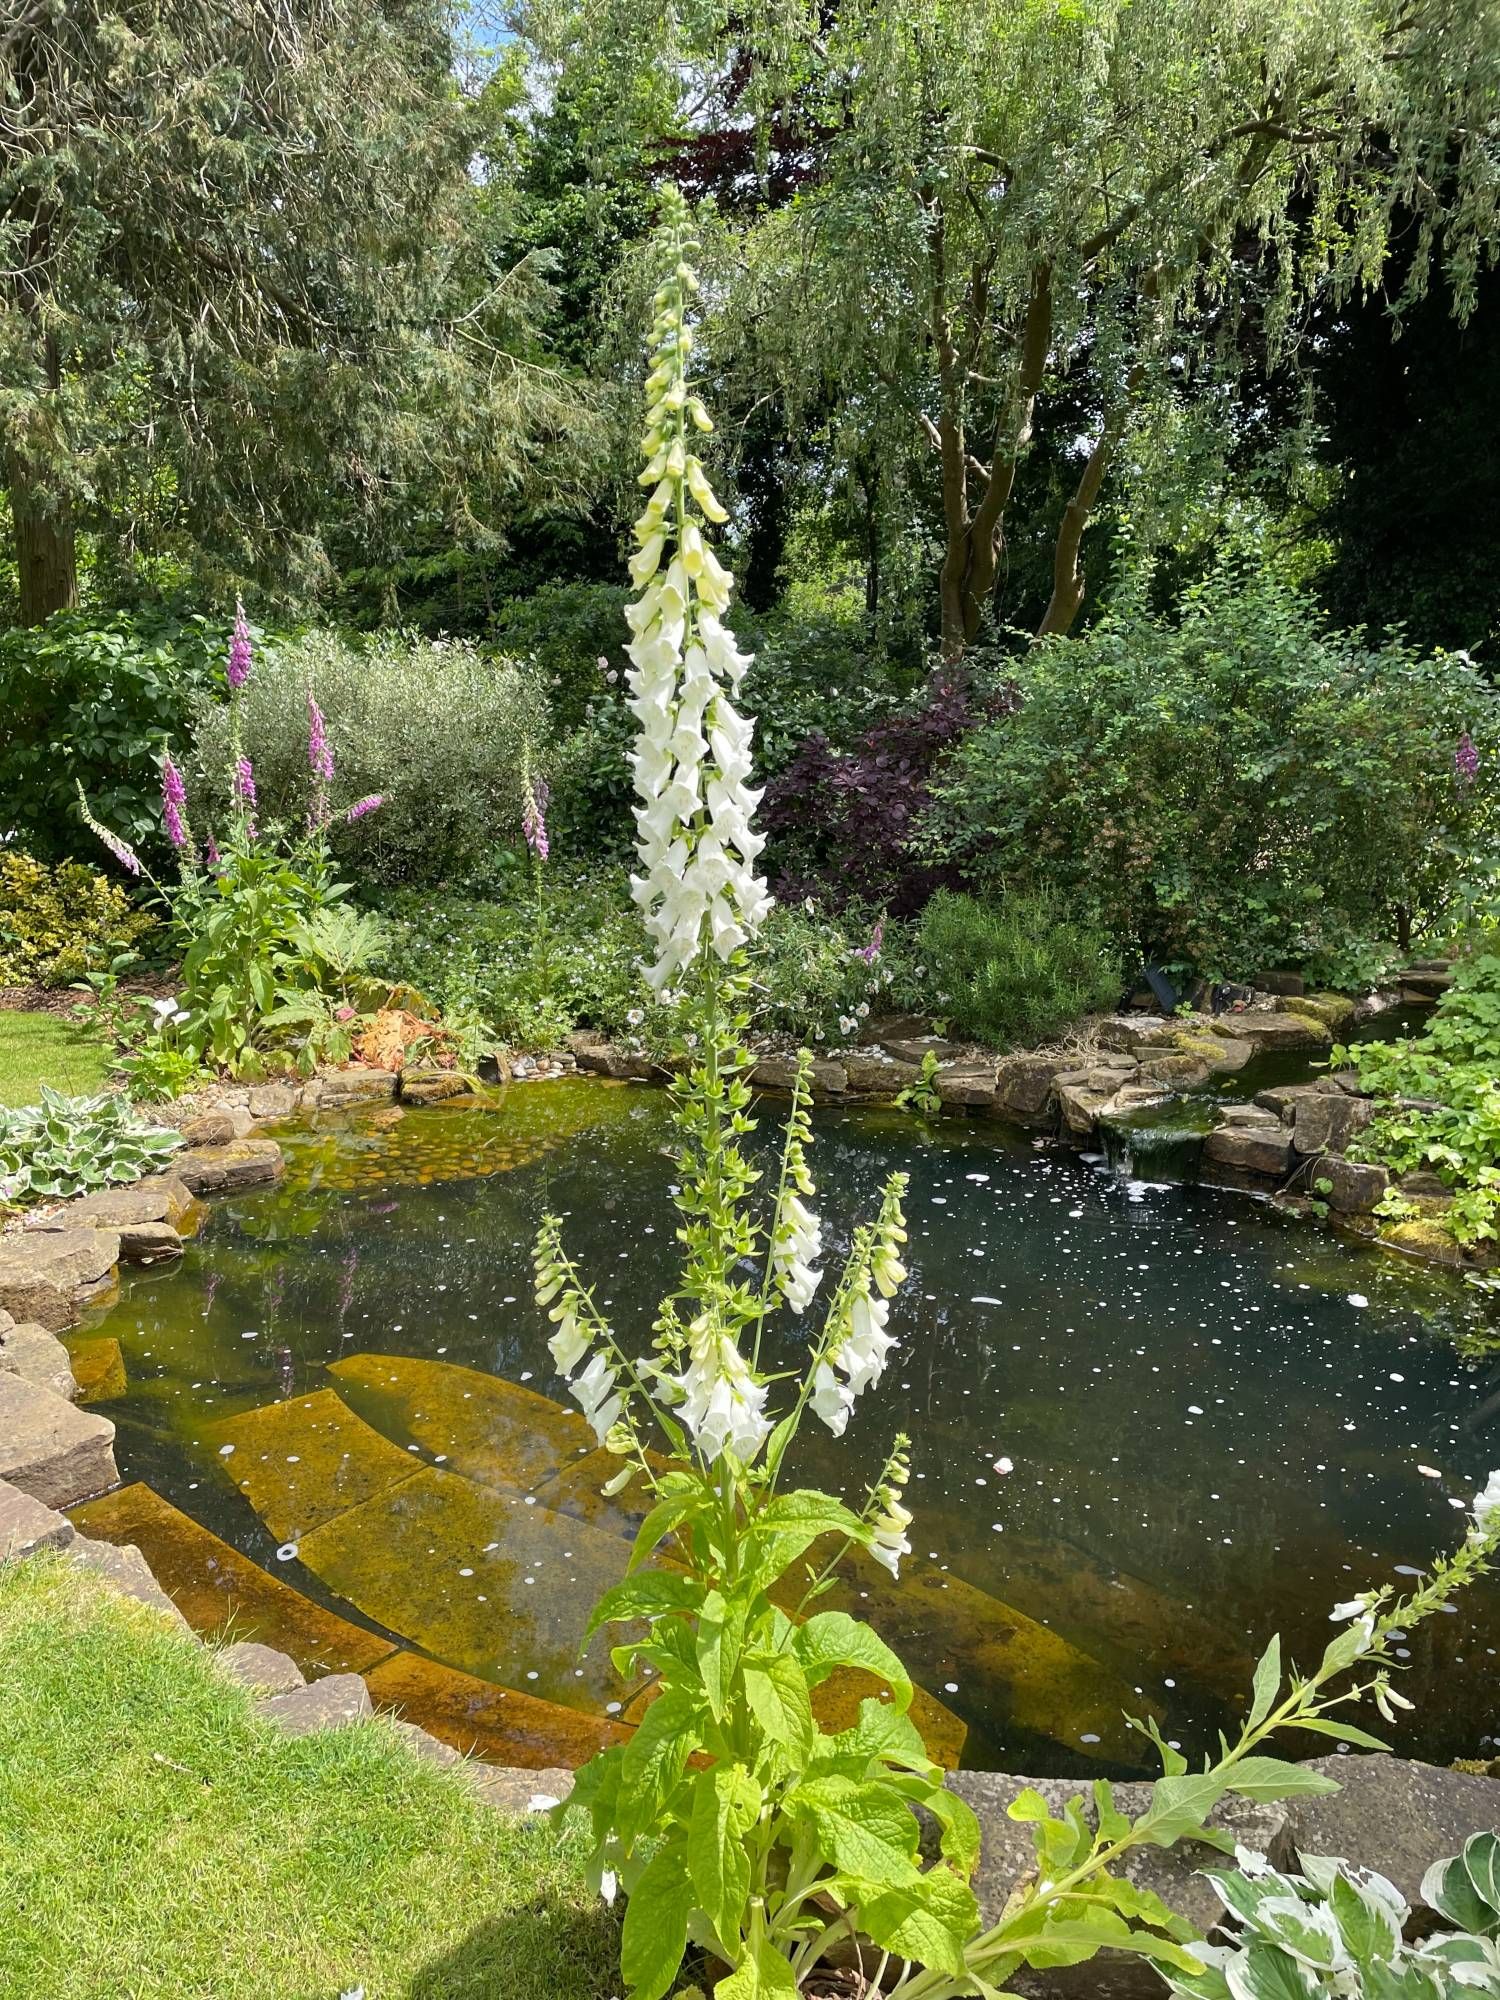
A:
739, 1824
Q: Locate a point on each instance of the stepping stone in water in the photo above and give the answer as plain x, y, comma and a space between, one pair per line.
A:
304, 1462
491, 1430
479, 1579
501, 1725
98, 1369
218, 1590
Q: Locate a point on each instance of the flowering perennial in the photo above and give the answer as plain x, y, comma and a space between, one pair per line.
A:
238, 670
174, 807
535, 792
692, 758
1465, 760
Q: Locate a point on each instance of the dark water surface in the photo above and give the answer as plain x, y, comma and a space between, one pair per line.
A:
1217, 1419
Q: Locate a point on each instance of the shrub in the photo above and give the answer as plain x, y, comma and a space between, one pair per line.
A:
73, 1145
1233, 789
842, 820
56, 924
436, 727
92, 701
1015, 971
565, 630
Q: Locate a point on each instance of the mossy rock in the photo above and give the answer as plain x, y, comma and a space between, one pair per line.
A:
1422, 1237
1334, 1010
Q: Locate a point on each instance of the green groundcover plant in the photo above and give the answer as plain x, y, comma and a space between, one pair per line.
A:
1438, 1101
1337, 1930
745, 1832
77, 1145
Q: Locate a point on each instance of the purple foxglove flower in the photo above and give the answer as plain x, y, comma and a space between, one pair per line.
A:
319, 751
173, 802
1465, 759
211, 849
244, 782
536, 793
238, 670
871, 951
363, 806
124, 854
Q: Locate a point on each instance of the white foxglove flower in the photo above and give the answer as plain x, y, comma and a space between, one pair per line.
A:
795, 1249
723, 1406
862, 1353
832, 1400
1487, 1509
697, 888
888, 1536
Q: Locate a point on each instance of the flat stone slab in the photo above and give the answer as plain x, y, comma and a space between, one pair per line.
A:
38, 1357
330, 1703
875, 1074
1251, 1149
433, 1086
500, 1433
1272, 1030
261, 1668
149, 1242
1325, 1122
502, 1725
1391, 1814
339, 1088
98, 1369
26, 1525
49, 1449
1354, 1187
126, 1570
1023, 1086
226, 1169
44, 1272
159, 1198
220, 1591
969, 1083
304, 1462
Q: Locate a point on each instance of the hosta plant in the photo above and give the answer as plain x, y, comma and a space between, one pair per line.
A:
746, 1828
1336, 1930
75, 1145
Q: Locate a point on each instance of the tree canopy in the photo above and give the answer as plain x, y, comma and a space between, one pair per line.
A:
251, 285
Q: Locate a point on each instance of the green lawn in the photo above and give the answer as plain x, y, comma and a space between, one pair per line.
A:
39, 1048
158, 1842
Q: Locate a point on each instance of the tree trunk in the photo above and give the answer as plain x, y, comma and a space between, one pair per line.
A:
46, 555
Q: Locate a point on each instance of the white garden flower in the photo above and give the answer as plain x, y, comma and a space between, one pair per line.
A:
723, 1406
795, 1248
1487, 1510
831, 1399
889, 1543
697, 888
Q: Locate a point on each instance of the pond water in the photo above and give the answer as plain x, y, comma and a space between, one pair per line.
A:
1218, 1421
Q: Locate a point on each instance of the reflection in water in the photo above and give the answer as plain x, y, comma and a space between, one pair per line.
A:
1217, 1421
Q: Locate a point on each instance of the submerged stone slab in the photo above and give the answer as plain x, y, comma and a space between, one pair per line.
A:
502, 1725
26, 1525
495, 1431
326, 1704
98, 1369
304, 1462
228, 1168
946, 1630
519, 1792
38, 1357
221, 1591
51, 1450
477, 1578
578, 1489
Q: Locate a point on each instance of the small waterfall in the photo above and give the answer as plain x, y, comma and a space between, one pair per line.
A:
1158, 1142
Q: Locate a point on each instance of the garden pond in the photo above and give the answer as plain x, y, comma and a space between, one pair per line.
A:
1152, 1424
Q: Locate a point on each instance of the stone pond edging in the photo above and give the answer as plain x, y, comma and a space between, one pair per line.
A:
1392, 1814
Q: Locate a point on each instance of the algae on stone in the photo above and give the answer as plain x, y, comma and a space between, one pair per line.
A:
304, 1462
